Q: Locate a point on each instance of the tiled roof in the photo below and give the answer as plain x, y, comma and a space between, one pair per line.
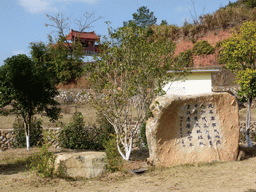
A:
83, 35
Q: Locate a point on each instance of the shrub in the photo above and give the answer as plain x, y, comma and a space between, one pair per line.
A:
209, 21
173, 31
221, 57
203, 48
249, 3
76, 136
143, 138
36, 136
185, 59
186, 28
43, 163
101, 133
114, 160
73, 136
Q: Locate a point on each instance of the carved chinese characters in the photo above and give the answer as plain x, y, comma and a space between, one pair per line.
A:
199, 125
189, 129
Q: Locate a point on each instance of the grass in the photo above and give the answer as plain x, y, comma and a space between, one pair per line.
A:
242, 114
89, 114
15, 160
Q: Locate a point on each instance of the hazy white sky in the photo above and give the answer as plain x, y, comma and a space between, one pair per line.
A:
23, 21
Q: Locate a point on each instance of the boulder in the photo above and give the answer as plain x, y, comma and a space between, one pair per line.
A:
188, 129
82, 164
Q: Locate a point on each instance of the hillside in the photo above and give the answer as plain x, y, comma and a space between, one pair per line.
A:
212, 28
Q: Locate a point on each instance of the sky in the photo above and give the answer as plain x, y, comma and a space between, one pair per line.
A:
23, 21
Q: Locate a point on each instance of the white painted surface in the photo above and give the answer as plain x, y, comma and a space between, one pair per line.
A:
195, 83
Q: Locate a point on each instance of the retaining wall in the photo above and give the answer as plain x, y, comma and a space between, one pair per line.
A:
6, 136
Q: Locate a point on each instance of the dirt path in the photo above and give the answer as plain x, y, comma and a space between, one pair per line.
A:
224, 176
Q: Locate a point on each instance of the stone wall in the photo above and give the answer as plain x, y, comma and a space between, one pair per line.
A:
6, 137
242, 138
80, 96
73, 96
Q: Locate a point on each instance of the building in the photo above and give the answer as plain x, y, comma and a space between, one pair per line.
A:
206, 75
88, 40
196, 82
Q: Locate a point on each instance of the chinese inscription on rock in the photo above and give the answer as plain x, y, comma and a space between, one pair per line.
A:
199, 125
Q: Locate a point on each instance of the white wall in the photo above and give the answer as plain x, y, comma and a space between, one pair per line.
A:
195, 83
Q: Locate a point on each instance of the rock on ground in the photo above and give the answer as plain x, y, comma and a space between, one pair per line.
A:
83, 164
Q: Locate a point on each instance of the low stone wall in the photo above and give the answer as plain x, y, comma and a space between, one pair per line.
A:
53, 135
243, 132
73, 96
6, 137
80, 96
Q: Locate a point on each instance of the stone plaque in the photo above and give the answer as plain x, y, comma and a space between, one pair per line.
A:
189, 129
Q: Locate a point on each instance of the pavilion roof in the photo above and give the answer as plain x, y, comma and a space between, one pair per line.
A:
82, 35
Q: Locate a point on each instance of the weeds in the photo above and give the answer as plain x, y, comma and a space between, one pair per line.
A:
114, 160
43, 163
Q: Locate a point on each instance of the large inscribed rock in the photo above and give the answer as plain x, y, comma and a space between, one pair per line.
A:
187, 129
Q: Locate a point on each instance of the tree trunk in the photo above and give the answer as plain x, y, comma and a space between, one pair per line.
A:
27, 141
27, 132
127, 148
248, 122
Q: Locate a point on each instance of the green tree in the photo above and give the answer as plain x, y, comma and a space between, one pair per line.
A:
125, 79
28, 89
239, 53
164, 22
64, 58
142, 18
63, 65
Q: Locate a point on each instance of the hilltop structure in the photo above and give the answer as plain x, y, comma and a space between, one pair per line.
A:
88, 40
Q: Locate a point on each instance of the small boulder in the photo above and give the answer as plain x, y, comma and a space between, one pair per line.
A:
82, 164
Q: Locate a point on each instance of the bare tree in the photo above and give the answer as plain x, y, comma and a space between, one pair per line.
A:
60, 22
194, 16
85, 22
